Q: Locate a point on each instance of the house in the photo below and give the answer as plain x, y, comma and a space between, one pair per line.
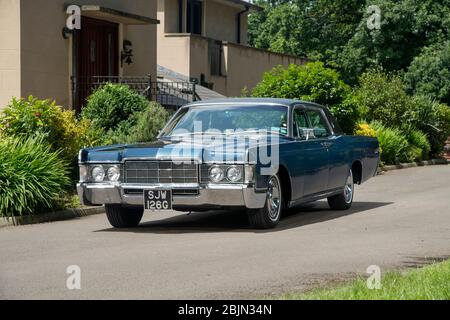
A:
40, 55
206, 41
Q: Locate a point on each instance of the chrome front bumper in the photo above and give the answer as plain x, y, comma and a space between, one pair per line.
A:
208, 195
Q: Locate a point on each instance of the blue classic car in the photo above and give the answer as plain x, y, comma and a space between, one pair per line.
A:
263, 155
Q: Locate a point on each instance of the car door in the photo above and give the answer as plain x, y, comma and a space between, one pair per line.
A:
312, 154
339, 153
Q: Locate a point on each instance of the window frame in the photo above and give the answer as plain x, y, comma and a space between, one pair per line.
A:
320, 110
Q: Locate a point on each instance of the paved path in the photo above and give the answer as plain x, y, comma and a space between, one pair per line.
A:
401, 218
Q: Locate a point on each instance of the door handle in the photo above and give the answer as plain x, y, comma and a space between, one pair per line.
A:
327, 144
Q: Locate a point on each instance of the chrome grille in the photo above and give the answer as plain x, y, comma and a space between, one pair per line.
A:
154, 172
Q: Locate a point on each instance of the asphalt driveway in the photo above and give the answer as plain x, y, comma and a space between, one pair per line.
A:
399, 219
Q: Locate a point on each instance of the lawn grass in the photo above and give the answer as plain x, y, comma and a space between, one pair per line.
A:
428, 283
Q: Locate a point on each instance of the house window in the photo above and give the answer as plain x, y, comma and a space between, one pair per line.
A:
215, 54
194, 16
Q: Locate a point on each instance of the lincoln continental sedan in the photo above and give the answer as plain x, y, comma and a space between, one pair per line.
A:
261, 156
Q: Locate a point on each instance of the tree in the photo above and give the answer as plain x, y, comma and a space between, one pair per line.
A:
337, 32
315, 29
276, 29
429, 73
406, 27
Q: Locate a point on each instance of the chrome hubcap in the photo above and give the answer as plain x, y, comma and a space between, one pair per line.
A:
274, 199
348, 191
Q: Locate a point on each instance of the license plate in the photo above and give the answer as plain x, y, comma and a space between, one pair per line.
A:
158, 200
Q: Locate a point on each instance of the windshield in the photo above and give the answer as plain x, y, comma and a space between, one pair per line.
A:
228, 120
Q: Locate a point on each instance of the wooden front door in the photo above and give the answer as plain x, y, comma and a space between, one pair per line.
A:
97, 55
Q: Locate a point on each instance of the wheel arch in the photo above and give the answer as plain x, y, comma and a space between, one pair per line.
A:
286, 185
357, 171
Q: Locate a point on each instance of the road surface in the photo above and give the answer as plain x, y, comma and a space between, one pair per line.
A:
399, 219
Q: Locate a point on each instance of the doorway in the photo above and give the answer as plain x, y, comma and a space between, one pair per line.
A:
96, 56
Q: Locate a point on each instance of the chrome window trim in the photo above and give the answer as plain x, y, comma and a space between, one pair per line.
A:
234, 104
305, 107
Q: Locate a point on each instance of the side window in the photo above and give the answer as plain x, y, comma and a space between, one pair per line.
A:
300, 123
317, 124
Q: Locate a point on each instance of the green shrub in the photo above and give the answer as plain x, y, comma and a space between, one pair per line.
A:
430, 117
141, 127
310, 82
443, 124
27, 117
394, 145
347, 114
419, 144
42, 118
382, 97
112, 104
32, 177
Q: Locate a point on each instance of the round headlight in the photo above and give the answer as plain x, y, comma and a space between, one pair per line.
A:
234, 174
113, 174
98, 174
216, 174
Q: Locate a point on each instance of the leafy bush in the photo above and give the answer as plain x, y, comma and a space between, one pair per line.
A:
393, 143
382, 97
429, 73
26, 117
347, 114
41, 118
430, 117
141, 127
420, 147
112, 104
32, 177
311, 82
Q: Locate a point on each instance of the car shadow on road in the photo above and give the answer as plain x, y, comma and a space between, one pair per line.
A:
236, 221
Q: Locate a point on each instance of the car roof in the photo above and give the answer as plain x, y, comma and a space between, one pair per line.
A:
251, 102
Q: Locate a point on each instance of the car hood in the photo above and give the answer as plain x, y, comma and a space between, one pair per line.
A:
214, 149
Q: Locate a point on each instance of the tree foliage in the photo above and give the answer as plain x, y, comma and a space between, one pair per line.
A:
336, 32
315, 29
312, 82
429, 73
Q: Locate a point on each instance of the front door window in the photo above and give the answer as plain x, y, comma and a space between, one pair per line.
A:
317, 124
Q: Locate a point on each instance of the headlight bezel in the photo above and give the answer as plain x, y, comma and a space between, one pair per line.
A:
206, 173
87, 175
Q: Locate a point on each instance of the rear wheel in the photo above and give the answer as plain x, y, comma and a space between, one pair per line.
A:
344, 200
269, 216
121, 217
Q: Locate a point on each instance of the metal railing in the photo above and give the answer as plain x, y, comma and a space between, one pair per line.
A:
169, 94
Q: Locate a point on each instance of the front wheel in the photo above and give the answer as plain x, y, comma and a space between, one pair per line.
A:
121, 217
344, 200
269, 216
